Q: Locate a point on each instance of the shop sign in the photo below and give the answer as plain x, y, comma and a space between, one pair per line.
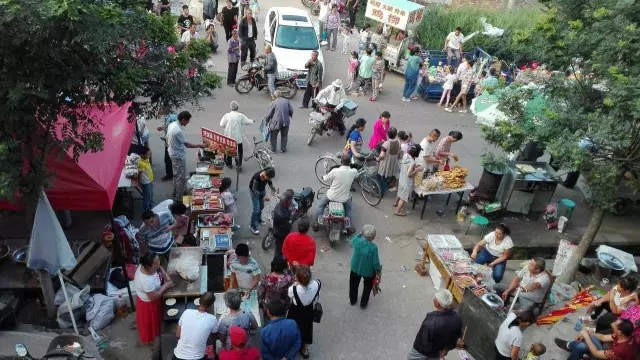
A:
218, 143
396, 17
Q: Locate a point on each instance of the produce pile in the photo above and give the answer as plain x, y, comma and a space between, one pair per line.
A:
208, 197
431, 184
220, 149
455, 178
218, 219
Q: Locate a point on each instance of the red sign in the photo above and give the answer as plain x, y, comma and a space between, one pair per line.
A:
218, 143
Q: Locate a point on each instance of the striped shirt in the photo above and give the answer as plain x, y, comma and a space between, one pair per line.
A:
157, 238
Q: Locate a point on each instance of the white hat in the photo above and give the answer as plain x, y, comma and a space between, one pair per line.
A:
337, 83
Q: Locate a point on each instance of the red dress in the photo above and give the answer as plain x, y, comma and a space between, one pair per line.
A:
148, 313
240, 354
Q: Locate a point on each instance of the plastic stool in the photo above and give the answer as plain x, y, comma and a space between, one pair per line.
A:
480, 221
568, 206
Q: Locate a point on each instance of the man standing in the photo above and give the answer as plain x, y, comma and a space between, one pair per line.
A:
244, 6
282, 220
169, 117
177, 148
270, 69
365, 73
209, 9
427, 158
154, 236
278, 119
440, 331
453, 45
164, 6
257, 187
280, 339
325, 7
185, 20
314, 79
195, 327
352, 5
233, 56
332, 25
233, 123
248, 31
340, 180
245, 271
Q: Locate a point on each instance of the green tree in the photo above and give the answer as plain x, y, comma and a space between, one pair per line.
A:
60, 56
592, 122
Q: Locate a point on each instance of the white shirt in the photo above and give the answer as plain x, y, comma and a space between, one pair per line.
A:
527, 279
145, 283
306, 294
176, 140
364, 35
324, 11
142, 128
232, 123
508, 336
455, 41
340, 181
186, 36
427, 149
495, 249
250, 29
195, 327
336, 98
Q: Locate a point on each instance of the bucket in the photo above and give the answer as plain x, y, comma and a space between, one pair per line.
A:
602, 271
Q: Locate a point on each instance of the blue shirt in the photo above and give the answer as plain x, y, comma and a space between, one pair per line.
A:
168, 119
357, 138
280, 339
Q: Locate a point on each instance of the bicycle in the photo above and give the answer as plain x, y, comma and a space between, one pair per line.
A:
260, 152
367, 174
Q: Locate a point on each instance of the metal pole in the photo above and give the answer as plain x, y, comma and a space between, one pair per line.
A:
515, 298
66, 297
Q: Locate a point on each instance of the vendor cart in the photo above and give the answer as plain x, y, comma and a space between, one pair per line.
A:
403, 18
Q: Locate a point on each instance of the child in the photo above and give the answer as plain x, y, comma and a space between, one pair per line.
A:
405, 145
145, 178
352, 71
447, 87
229, 200
345, 34
408, 169
180, 227
536, 351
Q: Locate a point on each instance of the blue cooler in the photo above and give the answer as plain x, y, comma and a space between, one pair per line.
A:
349, 108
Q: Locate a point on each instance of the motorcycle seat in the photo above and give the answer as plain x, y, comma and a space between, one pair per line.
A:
306, 192
336, 209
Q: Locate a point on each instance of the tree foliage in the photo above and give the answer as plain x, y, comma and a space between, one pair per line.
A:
592, 123
61, 57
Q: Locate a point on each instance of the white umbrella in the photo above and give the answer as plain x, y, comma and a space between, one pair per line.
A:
49, 249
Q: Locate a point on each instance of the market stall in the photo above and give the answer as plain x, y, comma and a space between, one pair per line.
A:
403, 18
527, 187
448, 182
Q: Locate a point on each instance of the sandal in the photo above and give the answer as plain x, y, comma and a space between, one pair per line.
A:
400, 213
303, 354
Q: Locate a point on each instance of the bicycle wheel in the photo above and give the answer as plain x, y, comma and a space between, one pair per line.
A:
268, 239
323, 166
371, 190
243, 86
264, 159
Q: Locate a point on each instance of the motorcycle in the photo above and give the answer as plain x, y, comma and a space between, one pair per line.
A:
55, 351
321, 121
303, 202
255, 78
334, 220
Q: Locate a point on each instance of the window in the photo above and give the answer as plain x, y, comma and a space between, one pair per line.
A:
299, 18
296, 37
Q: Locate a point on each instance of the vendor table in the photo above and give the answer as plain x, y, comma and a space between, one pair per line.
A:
183, 287
124, 196
250, 304
423, 195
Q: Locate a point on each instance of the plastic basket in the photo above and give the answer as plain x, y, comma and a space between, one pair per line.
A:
284, 75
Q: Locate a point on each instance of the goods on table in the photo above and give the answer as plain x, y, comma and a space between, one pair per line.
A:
198, 181
444, 241
431, 184
479, 290
173, 312
202, 167
170, 302
218, 148
207, 198
453, 255
461, 267
187, 267
217, 219
464, 281
455, 178
216, 182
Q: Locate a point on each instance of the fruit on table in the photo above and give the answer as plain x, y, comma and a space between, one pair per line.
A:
455, 178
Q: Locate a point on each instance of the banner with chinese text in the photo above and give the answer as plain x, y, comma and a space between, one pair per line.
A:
394, 15
218, 143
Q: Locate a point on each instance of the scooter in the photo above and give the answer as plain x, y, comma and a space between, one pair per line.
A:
303, 202
334, 220
254, 78
321, 121
52, 353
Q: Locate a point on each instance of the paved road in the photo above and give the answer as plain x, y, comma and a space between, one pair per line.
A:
387, 328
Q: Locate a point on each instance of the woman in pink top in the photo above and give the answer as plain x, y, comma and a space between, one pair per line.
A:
380, 129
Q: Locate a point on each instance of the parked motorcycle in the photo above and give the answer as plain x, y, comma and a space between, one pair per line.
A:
255, 78
334, 220
304, 201
53, 352
321, 121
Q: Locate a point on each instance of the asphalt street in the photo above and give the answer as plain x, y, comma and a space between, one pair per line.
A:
387, 328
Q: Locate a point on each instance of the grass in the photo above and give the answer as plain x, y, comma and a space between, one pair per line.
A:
438, 22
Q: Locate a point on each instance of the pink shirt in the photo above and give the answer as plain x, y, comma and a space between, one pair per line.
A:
379, 133
353, 64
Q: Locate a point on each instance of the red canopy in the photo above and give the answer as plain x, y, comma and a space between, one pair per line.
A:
91, 183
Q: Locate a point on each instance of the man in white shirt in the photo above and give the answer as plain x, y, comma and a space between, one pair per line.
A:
340, 180
233, 123
427, 158
194, 329
191, 34
533, 281
453, 45
325, 6
177, 147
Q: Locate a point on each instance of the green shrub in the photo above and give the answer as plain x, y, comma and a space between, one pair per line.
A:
513, 47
